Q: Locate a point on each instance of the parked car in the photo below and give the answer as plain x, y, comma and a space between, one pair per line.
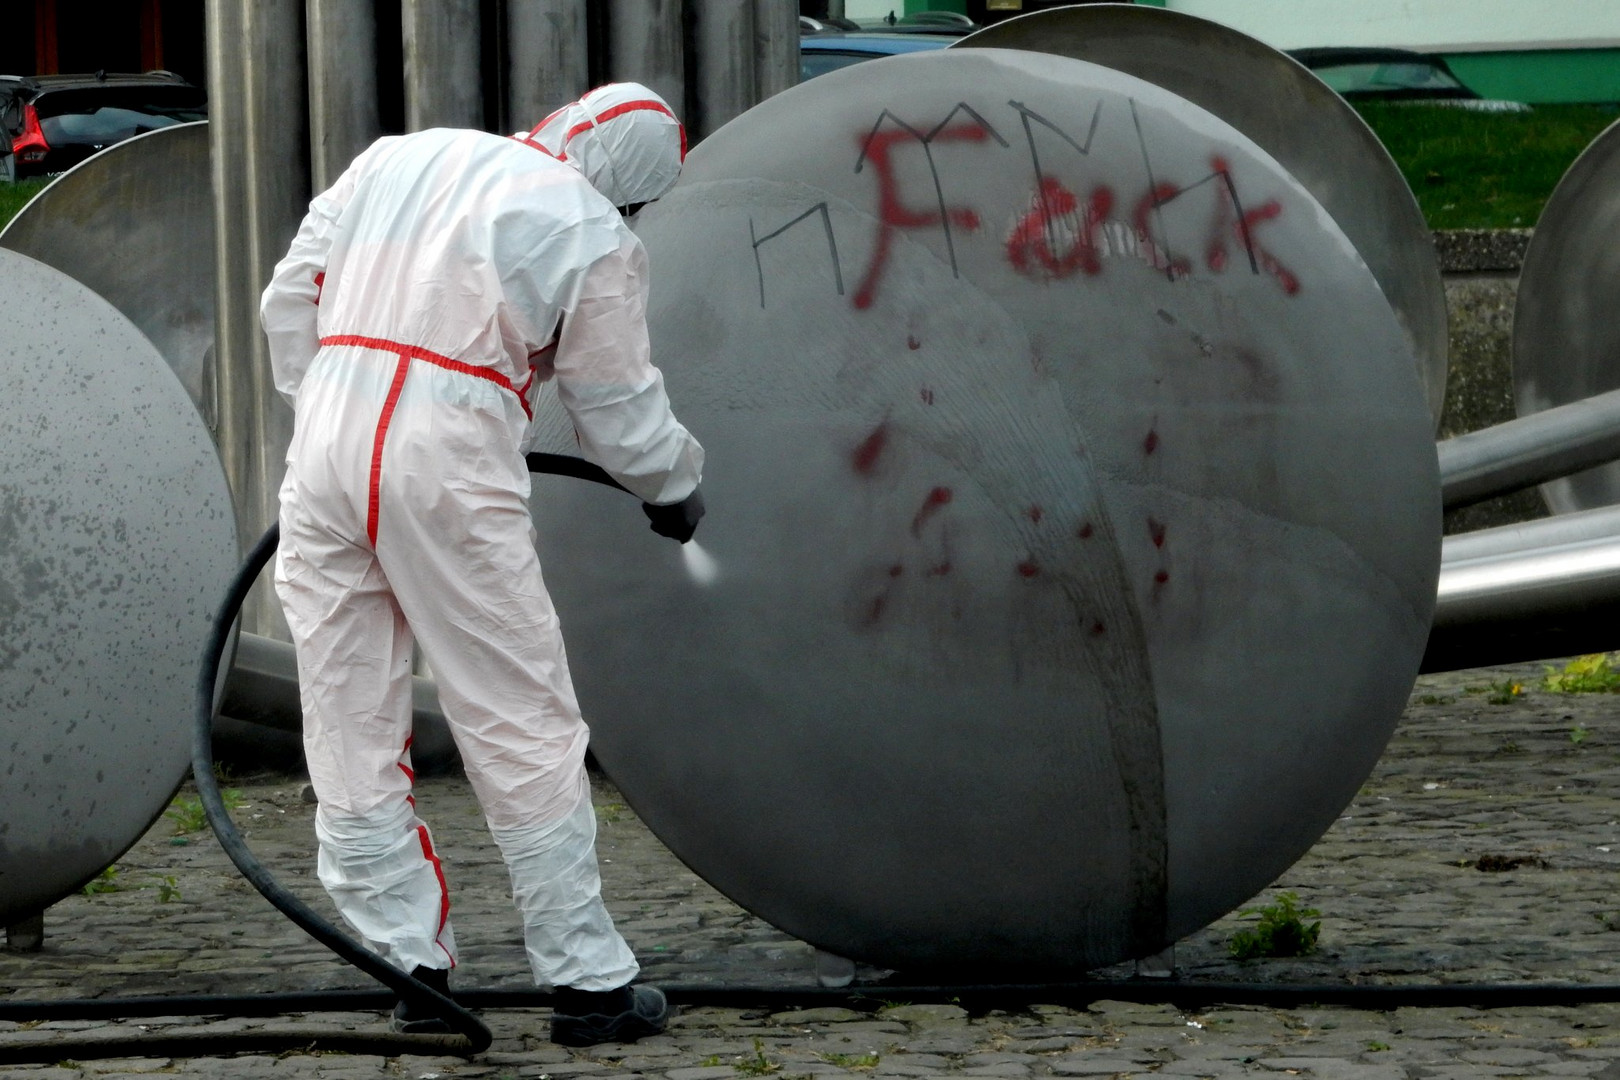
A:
1359, 74
830, 50
56, 121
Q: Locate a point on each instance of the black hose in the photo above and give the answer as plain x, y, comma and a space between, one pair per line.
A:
578, 468
418, 994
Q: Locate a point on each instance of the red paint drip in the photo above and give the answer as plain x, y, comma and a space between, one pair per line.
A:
1028, 569
931, 505
1151, 443
1035, 513
866, 455
912, 343
1161, 577
896, 570
1156, 531
940, 570
1085, 531
1098, 629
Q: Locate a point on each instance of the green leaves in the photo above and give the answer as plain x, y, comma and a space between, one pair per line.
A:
1591, 674
1281, 931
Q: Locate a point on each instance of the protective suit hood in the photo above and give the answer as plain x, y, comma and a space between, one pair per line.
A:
622, 137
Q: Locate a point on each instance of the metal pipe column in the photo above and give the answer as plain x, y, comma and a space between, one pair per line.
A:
342, 46
724, 81
776, 46
1520, 453
442, 77
547, 57
647, 44
259, 144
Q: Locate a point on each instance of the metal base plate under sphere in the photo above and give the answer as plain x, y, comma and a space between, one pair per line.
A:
117, 539
1075, 504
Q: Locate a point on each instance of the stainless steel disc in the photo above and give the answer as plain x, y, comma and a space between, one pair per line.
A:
116, 541
1291, 115
1566, 340
1075, 507
136, 224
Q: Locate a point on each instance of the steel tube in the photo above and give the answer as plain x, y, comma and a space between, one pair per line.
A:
646, 44
1572, 528
723, 76
277, 183
1533, 604
547, 54
1530, 450
235, 322
342, 46
260, 177
776, 46
442, 76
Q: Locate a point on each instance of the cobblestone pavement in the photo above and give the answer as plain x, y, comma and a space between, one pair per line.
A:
1483, 849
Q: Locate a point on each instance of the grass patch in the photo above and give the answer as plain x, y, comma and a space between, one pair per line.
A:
189, 816
1484, 170
1281, 931
13, 197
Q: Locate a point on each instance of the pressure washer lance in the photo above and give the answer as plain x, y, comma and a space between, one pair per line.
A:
471, 1036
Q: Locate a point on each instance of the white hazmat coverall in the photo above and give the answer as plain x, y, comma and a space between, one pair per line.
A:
428, 291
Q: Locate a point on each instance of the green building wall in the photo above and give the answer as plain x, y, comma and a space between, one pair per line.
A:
1541, 76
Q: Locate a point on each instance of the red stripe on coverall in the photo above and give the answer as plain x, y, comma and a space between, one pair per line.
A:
406, 354
444, 888
608, 114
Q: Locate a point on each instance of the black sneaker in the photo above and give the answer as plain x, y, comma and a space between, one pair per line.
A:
585, 1018
411, 1019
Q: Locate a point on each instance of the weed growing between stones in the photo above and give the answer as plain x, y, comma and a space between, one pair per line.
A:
1281, 931
756, 1064
1504, 692
189, 816
1590, 674
104, 882
168, 889
852, 1061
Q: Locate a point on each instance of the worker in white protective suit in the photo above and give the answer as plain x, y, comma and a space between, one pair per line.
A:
427, 293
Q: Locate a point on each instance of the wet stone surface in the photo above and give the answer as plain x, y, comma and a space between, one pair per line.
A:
1477, 777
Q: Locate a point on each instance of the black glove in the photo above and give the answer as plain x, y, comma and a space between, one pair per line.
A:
678, 521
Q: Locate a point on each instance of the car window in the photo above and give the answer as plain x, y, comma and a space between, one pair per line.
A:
178, 103
820, 61
1351, 78
11, 114
102, 126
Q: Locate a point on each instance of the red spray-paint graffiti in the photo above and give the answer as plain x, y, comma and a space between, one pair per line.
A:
893, 213
1031, 247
